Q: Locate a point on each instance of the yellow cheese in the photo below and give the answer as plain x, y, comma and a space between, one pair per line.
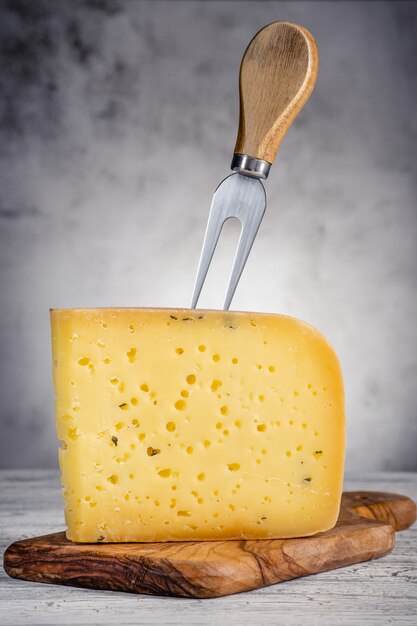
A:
185, 425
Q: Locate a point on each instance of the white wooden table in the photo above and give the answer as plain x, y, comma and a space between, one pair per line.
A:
377, 592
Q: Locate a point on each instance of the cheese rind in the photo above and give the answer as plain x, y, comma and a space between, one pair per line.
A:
193, 425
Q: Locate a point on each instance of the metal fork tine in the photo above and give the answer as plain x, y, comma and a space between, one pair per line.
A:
243, 198
247, 236
213, 230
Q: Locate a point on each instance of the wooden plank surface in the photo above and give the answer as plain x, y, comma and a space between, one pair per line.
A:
377, 592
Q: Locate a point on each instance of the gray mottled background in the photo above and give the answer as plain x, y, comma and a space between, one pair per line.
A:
118, 119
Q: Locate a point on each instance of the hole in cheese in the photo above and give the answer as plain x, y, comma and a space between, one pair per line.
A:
216, 384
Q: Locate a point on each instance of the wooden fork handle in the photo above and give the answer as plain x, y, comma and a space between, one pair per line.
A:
277, 75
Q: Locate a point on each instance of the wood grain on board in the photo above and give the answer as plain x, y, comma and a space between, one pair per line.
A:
365, 530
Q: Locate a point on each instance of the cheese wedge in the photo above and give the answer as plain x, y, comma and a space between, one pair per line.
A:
196, 425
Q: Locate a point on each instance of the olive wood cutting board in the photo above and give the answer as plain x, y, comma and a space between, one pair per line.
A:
207, 569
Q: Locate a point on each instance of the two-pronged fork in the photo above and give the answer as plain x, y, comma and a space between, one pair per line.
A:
277, 75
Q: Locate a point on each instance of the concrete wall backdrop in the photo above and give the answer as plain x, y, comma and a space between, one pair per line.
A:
118, 119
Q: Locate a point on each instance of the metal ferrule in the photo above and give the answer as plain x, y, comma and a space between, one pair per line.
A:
245, 164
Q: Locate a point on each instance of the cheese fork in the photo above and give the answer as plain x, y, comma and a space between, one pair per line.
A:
277, 75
